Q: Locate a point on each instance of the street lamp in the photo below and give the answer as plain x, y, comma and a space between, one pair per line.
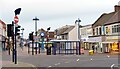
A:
48, 33
48, 48
36, 19
56, 31
79, 37
78, 28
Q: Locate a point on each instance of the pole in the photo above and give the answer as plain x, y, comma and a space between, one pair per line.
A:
22, 39
36, 35
9, 45
36, 19
32, 47
13, 41
79, 37
15, 48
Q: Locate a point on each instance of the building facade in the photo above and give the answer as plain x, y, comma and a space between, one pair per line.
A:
106, 32
85, 32
2, 35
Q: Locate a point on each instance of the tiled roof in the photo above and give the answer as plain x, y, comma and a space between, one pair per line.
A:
68, 30
64, 29
103, 19
114, 18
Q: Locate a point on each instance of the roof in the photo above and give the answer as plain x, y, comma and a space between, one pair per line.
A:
68, 30
86, 25
103, 19
64, 29
115, 18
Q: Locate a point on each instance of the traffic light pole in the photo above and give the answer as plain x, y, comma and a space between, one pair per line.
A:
15, 46
13, 42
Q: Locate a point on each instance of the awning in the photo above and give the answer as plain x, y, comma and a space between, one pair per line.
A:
91, 41
110, 42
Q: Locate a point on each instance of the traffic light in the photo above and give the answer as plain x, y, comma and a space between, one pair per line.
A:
31, 36
17, 29
9, 30
17, 11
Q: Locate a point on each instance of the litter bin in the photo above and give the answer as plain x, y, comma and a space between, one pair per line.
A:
91, 52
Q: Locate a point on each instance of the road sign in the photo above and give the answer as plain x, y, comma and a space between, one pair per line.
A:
16, 19
42, 34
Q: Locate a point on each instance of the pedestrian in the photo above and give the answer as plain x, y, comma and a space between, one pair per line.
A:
93, 48
96, 48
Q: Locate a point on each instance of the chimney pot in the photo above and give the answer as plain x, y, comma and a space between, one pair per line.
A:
117, 8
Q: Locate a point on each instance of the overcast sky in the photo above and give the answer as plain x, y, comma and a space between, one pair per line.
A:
54, 13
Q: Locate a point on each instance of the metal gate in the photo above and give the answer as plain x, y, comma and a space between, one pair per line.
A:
66, 47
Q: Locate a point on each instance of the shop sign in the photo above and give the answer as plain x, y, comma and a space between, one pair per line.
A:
95, 39
110, 38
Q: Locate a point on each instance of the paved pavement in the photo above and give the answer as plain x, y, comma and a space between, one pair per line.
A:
9, 63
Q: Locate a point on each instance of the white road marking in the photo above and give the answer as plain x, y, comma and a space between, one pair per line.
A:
91, 59
49, 66
108, 56
58, 63
112, 66
77, 60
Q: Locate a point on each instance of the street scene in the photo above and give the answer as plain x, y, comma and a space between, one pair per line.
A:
52, 35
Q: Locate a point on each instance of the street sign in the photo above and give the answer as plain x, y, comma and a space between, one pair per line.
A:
42, 34
16, 19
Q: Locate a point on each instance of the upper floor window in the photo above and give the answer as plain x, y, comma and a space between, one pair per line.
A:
106, 30
100, 31
93, 31
115, 28
97, 31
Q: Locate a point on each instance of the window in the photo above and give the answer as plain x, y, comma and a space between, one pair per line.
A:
106, 30
118, 28
115, 28
93, 31
97, 30
100, 31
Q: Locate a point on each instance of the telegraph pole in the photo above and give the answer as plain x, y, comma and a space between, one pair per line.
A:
36, 19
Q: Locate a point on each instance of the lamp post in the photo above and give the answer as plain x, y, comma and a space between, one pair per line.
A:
48, 48
56, 33
36, 19
79, 37
22, 38
78, 28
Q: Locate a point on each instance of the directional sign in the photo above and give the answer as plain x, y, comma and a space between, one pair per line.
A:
16, 19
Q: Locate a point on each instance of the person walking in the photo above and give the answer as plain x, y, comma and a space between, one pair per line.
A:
93, 48
96, 48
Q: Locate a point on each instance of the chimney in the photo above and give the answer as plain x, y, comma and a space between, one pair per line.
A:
117, 8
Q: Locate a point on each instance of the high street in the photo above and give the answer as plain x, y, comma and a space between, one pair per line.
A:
43, 60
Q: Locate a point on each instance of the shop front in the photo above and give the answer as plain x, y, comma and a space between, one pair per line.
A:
95, 44
112, 44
